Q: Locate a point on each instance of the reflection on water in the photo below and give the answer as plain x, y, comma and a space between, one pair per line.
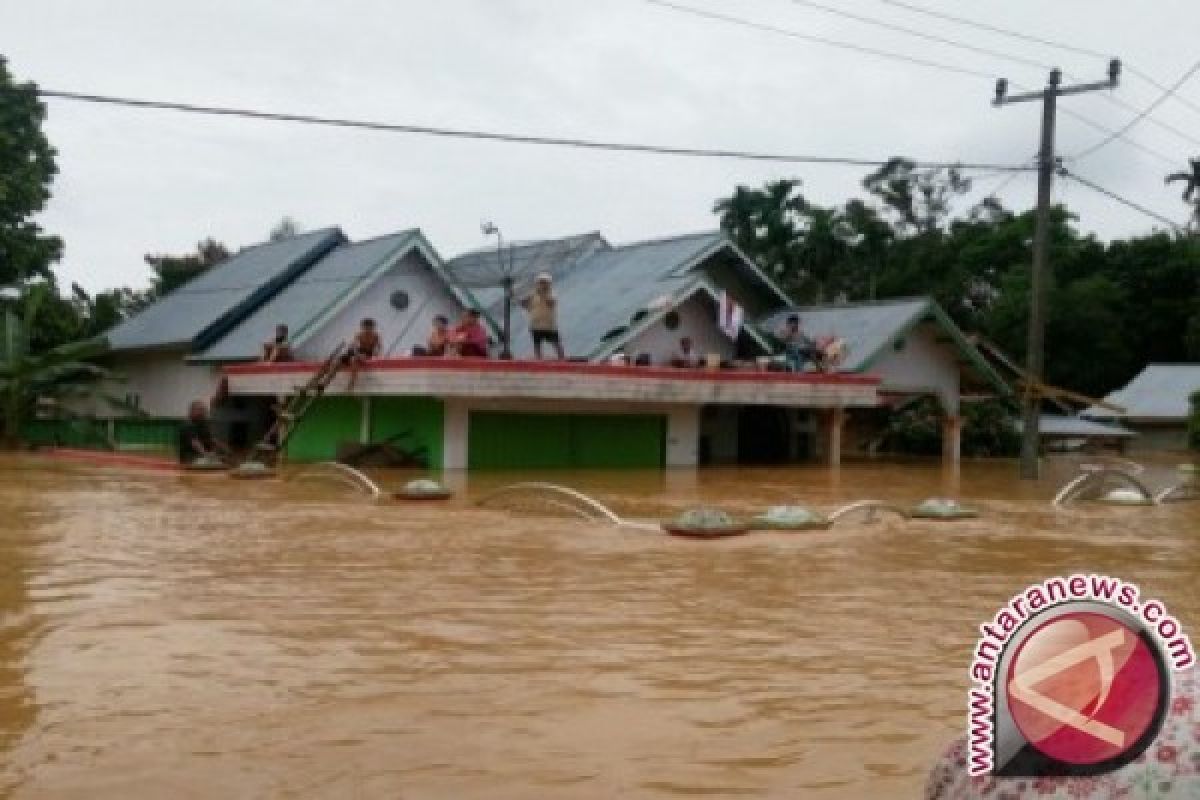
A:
203, 637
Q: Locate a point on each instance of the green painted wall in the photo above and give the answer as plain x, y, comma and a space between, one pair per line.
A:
499, 440
329, 422
160, 435
422, 417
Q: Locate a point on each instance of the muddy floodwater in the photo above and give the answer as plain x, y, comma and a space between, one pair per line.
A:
168, 636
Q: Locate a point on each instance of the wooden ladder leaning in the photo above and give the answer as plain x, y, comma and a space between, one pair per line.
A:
297, 405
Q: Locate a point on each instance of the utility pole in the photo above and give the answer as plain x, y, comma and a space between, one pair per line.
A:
1041, 276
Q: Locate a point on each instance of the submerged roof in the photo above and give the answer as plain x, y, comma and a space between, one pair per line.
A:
1160, 391
306, 299
208, 306
870, 328
1063, 425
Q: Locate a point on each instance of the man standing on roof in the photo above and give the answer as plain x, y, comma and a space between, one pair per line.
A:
543, 316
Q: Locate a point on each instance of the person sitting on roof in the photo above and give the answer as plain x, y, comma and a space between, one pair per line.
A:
798, 347
277, 350
686, 358
196, 438
439, 339
469, 338
543, 318
365, 345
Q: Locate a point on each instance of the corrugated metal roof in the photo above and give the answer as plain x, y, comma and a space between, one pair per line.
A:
307, 297
217, 299
482, 270
866, 328
1159, 392
611, 289
1061, 425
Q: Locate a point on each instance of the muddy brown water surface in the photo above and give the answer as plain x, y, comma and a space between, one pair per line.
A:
198, 637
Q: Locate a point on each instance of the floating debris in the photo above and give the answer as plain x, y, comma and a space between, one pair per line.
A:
251, 470
423, 489
1126, 497
942, 508
705, 523
791, 518
206, 464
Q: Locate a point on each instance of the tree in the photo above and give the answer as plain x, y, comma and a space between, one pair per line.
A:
26, 378
171, 272
1191, 189
919, 199
26, 170
765, 224
286, 228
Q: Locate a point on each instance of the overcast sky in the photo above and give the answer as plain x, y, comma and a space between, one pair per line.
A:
138, 181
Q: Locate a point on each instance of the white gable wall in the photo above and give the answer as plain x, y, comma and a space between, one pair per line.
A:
922, 365
161, 383
697, 320
400, 330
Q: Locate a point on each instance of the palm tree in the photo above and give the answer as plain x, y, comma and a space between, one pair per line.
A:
26, 378
1191, 189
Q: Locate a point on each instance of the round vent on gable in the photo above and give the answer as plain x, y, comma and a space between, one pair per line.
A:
399, 299
671, 320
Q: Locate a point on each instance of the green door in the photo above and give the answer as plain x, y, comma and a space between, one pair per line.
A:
502, 440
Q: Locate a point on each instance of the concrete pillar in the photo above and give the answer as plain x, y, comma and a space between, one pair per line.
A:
455, 423
364, 422
683, 436
831, 424
951, 439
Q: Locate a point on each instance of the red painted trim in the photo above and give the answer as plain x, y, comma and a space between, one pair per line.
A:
105, 458
567, 368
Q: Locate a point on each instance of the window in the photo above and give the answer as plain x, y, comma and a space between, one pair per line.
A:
671, 320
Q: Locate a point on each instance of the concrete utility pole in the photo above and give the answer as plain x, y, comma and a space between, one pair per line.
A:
1047, 162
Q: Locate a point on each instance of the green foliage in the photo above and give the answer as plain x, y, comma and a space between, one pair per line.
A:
171, 272
988, 429
26, 169
26, 377
1112, 308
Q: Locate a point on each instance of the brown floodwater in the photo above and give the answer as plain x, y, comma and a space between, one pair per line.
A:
198, 637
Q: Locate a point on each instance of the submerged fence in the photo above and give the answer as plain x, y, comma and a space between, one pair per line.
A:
140, 434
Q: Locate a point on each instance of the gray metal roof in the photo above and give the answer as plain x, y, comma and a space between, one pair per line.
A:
303, 300
1062, 425
609, 290
482, 270
206, 307
866, 328
1159, 392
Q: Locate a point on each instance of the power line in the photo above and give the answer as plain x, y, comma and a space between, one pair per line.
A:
961, 45
510, 138
887, 54
1070, 48
1171, 90
808, 37
1122, 200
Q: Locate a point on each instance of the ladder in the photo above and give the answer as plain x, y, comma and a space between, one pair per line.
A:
297, 405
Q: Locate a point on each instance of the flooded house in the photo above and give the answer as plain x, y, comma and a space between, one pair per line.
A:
1155, 405
619, 399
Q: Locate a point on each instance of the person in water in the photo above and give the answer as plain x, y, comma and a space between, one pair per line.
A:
277, 350
196, 438
469, 338
365, 345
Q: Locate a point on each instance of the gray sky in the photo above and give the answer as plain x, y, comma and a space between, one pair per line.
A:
134, 181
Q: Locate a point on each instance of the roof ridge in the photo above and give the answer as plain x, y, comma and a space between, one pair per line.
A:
891, 301
668, 239
523, 243
382, 236
323, 231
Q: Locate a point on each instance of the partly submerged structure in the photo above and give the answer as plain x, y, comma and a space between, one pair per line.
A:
1156, 405
623, 310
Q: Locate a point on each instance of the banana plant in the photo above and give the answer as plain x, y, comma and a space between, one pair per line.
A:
26, 378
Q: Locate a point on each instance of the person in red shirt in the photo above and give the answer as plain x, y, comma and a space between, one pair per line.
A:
469, 336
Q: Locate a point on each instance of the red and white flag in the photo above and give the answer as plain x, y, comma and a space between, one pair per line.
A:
730, 316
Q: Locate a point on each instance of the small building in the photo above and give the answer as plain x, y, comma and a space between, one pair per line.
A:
1156, 404
622, 312
1065, 432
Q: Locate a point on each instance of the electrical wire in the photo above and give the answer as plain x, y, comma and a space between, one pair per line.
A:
1025, 37
510, 138
961, 45
1147, 111
1066, 173
887, 54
